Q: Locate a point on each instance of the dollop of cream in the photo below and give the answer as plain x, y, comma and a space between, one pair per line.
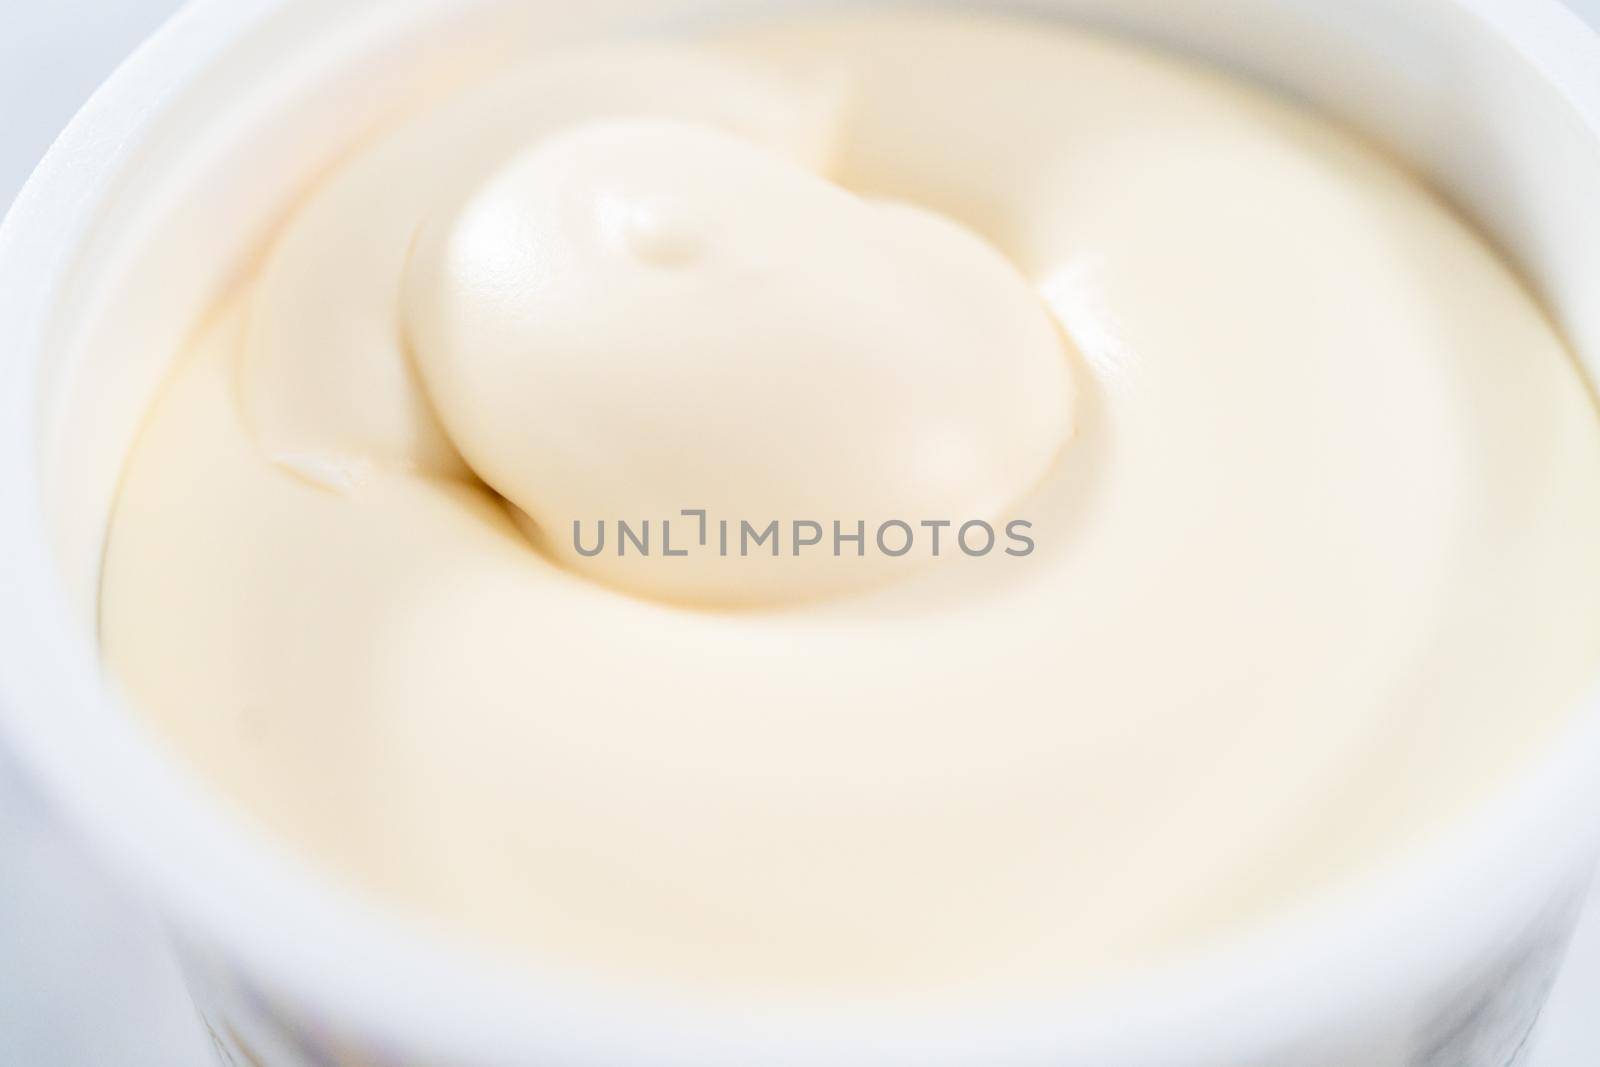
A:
639, 317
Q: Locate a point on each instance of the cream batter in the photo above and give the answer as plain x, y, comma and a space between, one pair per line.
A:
1314, 485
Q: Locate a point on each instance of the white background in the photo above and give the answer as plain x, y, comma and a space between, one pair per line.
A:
84, 980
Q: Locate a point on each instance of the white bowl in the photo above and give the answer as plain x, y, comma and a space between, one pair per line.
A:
163, 188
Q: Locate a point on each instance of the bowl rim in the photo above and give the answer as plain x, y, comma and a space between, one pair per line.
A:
325, 952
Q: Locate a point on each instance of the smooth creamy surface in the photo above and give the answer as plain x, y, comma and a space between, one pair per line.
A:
1313, 484
638, 316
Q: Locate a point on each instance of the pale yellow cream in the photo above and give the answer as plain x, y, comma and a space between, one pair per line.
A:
1311, 492
639, 317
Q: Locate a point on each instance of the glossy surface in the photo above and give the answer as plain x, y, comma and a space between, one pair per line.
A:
1328, 344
